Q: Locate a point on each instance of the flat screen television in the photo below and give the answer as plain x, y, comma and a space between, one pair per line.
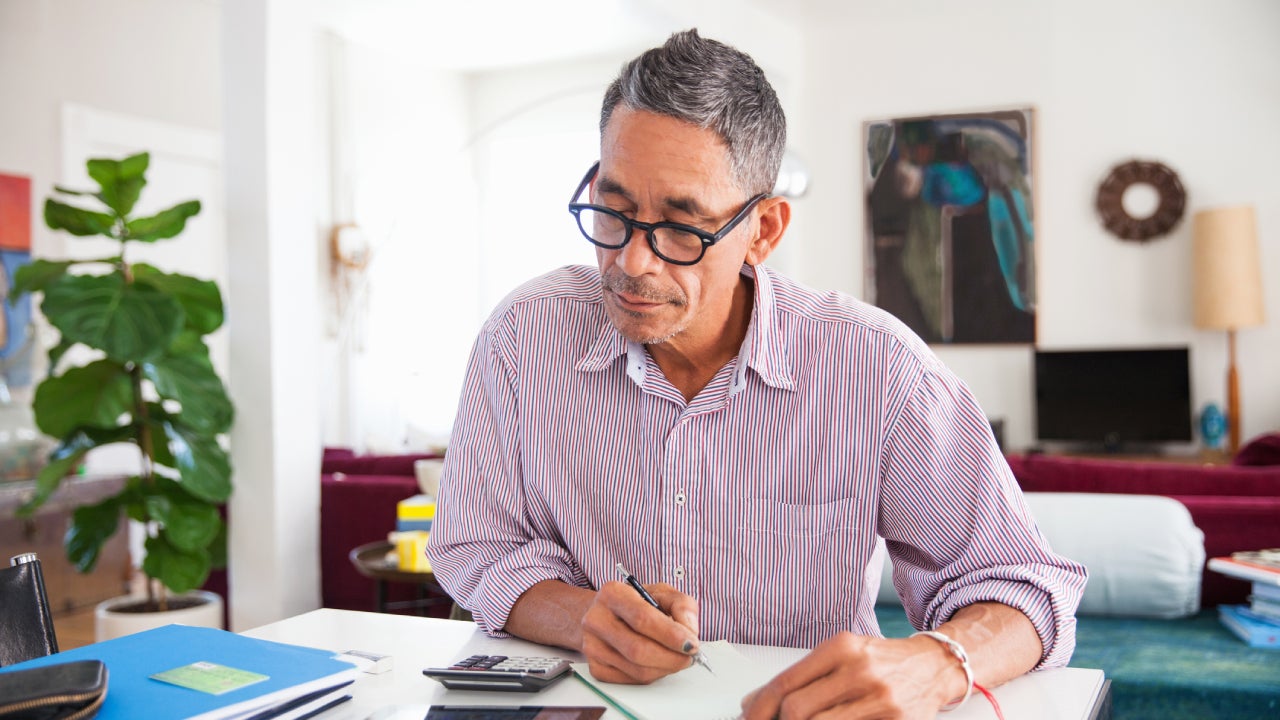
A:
1113, 398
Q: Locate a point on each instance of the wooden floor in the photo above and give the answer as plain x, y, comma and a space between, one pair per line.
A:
74, 629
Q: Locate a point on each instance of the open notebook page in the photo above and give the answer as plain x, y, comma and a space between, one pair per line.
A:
692, 693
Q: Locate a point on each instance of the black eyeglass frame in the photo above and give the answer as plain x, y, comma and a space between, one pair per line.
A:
630, 225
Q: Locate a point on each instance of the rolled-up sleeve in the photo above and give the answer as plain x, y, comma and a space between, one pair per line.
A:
957, 525
484, 548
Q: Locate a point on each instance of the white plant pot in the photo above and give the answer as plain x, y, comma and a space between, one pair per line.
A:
111, 623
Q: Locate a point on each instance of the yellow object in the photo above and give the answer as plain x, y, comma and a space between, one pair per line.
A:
411, 550
418, 507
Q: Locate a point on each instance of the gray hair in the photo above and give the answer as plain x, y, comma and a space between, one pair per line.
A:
713, 86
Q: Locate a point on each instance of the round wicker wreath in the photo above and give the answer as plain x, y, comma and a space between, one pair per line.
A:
1110, 200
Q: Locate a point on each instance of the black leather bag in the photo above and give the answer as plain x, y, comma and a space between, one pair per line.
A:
63, 691
26, 626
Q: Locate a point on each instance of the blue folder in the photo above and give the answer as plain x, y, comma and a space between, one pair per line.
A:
292, 671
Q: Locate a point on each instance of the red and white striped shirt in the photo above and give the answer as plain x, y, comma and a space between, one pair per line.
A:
762, 498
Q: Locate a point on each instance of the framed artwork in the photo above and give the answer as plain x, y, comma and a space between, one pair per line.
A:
950, 231
17, 342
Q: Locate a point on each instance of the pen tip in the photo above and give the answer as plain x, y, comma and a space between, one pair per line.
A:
622, 570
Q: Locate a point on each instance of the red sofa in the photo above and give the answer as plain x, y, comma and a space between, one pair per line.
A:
358, 496
1236, 506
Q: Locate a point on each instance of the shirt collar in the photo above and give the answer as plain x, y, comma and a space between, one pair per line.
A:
762, 349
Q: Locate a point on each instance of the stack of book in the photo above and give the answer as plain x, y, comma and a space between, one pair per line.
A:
1257, 623
193, 673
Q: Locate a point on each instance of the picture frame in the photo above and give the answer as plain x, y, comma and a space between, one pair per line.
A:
950, 224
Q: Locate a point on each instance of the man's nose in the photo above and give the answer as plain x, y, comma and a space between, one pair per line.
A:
637, 258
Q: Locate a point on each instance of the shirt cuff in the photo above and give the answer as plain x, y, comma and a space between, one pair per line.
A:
511, 576
1047, 596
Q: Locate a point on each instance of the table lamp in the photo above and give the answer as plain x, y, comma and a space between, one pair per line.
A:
1227, 287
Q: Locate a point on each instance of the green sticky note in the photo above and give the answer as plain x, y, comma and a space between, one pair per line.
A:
209, 677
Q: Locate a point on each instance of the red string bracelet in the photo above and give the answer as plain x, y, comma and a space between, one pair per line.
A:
995, 705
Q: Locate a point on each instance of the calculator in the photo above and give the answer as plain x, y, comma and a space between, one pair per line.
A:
501, 672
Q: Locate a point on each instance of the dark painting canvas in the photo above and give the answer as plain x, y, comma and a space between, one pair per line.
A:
950, 244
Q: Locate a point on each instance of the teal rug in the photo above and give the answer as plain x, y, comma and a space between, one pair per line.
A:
1192, 669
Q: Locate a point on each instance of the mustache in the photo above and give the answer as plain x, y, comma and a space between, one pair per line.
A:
618, 282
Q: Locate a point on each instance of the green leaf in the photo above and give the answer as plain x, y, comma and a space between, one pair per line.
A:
48, 480
159, 421
129, 321
178, 570
164, 224
35, 276
64, 459
78, 193
91, 527
190, 524
75, 220
95, 395
186, 374
200, 299
204, 466
121, 180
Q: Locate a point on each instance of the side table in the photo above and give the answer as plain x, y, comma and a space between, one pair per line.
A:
371, 561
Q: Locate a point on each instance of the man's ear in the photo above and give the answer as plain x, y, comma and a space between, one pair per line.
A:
775, 215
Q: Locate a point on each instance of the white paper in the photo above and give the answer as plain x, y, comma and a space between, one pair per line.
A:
692, 693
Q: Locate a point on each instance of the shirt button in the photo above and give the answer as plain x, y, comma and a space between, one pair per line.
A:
679, 572
680, 498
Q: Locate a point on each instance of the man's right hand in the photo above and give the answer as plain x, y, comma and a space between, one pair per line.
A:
627, 640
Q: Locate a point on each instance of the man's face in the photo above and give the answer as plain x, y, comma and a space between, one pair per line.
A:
656, 168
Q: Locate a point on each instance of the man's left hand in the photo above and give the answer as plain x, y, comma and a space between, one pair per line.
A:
853, 676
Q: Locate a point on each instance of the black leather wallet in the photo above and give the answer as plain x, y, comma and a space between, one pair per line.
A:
64, 691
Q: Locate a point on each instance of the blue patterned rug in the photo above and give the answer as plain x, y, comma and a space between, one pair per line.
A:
1192, 668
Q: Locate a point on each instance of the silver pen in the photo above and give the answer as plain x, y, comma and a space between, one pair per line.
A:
631, 580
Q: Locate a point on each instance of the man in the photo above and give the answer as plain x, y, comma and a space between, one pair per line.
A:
736, 441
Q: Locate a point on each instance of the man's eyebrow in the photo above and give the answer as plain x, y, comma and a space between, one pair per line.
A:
609, 186
687, 205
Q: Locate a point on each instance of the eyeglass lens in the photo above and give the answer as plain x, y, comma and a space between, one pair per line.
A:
610, 230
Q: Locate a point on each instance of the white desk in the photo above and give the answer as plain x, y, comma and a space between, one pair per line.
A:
419, 642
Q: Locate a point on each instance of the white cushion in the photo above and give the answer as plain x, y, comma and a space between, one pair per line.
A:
1143, 552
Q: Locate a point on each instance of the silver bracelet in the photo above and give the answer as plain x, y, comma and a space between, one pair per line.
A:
957, 650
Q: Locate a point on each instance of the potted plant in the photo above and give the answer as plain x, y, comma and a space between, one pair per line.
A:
146, 380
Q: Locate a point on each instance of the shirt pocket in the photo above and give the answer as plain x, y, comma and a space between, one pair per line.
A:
799, 562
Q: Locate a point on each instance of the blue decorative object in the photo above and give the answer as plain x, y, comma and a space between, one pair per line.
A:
1213, 426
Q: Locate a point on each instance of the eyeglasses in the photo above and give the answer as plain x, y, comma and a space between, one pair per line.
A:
673, 242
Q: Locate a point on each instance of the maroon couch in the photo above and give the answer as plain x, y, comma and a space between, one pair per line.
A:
1236, 506
358, 496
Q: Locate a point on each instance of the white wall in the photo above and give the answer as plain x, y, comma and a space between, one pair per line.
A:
1185, 82
103, 56
461, 185
400, 350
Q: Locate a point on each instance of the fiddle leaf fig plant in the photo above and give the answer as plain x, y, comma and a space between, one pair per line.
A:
147, 381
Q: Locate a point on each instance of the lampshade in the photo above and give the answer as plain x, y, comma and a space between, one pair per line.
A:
1228, 277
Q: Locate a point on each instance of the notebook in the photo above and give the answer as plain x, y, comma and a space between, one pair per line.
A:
692, 693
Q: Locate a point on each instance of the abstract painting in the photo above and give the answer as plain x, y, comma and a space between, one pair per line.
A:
17, 341
950, 242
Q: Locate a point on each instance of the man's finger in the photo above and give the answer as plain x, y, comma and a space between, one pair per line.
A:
766, 702
646, 620
682, 608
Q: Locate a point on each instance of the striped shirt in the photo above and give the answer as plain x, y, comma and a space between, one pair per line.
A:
762, 498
